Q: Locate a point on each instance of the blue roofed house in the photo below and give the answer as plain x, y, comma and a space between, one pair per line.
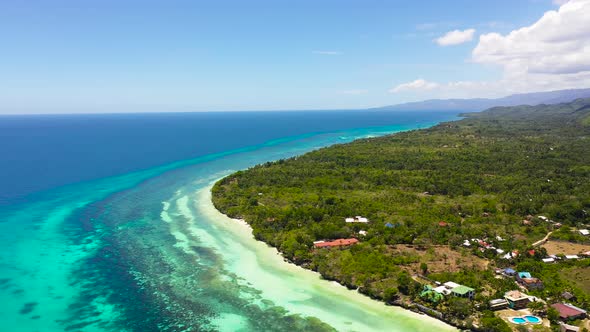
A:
509, 272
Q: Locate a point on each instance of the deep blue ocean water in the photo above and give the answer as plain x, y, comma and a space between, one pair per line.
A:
102, 229
40, 152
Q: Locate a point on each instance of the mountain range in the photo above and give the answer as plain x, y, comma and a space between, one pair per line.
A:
479, 104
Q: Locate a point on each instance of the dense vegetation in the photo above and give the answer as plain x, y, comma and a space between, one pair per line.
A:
481, 175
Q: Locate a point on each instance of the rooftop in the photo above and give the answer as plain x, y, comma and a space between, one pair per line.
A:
568, 310
462, 290
515, 295
336, 243
567, 295
531, 280
357, 219
451, 285
442, 290
497, 301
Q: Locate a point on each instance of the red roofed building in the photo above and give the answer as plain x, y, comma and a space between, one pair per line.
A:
336, 243
531, 252
568, 311
443, 223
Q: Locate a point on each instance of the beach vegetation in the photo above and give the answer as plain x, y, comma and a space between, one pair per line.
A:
448, 202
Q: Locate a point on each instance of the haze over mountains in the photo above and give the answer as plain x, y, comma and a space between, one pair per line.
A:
480, 104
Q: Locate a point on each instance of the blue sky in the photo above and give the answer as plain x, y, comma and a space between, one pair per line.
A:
133, 56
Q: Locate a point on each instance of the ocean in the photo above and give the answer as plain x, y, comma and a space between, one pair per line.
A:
107, 225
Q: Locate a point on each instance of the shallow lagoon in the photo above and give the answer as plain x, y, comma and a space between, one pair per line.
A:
147, 251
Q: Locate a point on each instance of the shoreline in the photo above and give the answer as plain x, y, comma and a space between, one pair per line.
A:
272, 256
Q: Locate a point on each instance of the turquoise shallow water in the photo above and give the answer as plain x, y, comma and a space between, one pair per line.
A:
146, 251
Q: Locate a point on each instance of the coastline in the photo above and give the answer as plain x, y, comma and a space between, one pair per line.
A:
270, 258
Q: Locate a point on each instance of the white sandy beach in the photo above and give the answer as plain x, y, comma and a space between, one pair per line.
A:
303, 291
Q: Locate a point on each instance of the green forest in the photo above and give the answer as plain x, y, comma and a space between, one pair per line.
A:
476, 178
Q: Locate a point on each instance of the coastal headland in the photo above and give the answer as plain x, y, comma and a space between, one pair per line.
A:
456, 204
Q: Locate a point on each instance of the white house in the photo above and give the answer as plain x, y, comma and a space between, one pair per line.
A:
584, 232
451, 285
357, 219
442, 290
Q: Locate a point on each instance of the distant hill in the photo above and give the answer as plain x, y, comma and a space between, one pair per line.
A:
480, 104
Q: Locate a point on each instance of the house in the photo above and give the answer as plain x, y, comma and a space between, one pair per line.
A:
531, 252
363, 233
569, 312
466, 243
442, 290
584, 232
443, 223
357, 219
571, 257
389, 225
568, 296
459, 290
516, 299
498, 304
450, 285
361, 219
511, 255
568, 328
548, 260
509, 272
525, 279
483, 243
543, 218
335, 243
527, 222
463, 291
532, 283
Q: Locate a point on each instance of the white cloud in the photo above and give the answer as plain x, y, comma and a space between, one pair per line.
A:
558, 43
455, 37
550, 54
418, 84
560, 2
327, 52
555, 46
